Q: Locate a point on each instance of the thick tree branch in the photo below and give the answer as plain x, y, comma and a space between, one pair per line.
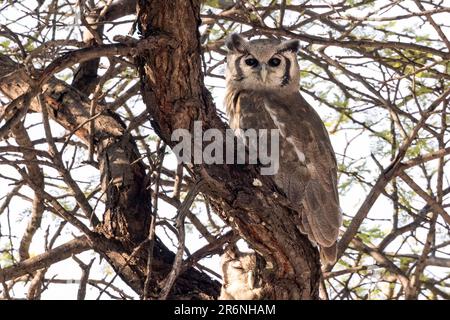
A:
46, 259
127, 211
175, 100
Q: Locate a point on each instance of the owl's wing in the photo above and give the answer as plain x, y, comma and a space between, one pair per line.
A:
308, 170
314, 187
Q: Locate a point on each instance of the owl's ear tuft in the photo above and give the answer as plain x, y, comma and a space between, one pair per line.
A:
236, 43
290, 45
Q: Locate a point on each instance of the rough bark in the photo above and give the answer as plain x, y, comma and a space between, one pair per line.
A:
125, 223
175, 96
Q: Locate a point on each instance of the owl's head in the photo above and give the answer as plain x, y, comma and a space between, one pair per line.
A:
263, 64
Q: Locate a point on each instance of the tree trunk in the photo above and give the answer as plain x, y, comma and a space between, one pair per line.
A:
124, 183
175, 96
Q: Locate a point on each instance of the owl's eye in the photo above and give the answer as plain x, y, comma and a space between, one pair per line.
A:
251, 62
274, 62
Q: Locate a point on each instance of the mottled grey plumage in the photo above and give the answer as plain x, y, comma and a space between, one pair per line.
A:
265, 95
240, 276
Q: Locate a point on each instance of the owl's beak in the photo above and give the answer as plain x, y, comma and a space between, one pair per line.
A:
263, 72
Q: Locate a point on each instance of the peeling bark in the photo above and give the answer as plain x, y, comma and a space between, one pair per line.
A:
125, 222
175, 96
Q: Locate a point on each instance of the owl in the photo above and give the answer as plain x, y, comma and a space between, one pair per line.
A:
240, 276
262, 92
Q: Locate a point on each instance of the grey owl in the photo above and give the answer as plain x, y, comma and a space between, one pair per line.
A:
263, 93
240, 276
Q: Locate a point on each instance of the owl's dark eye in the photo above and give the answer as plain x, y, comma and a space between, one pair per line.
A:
274, 62
251, 62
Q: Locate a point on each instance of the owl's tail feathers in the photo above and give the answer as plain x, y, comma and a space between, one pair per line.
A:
328, 255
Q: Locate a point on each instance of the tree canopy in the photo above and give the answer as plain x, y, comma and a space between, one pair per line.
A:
91, 193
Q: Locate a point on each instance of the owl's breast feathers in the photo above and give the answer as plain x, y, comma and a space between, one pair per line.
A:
308, 169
